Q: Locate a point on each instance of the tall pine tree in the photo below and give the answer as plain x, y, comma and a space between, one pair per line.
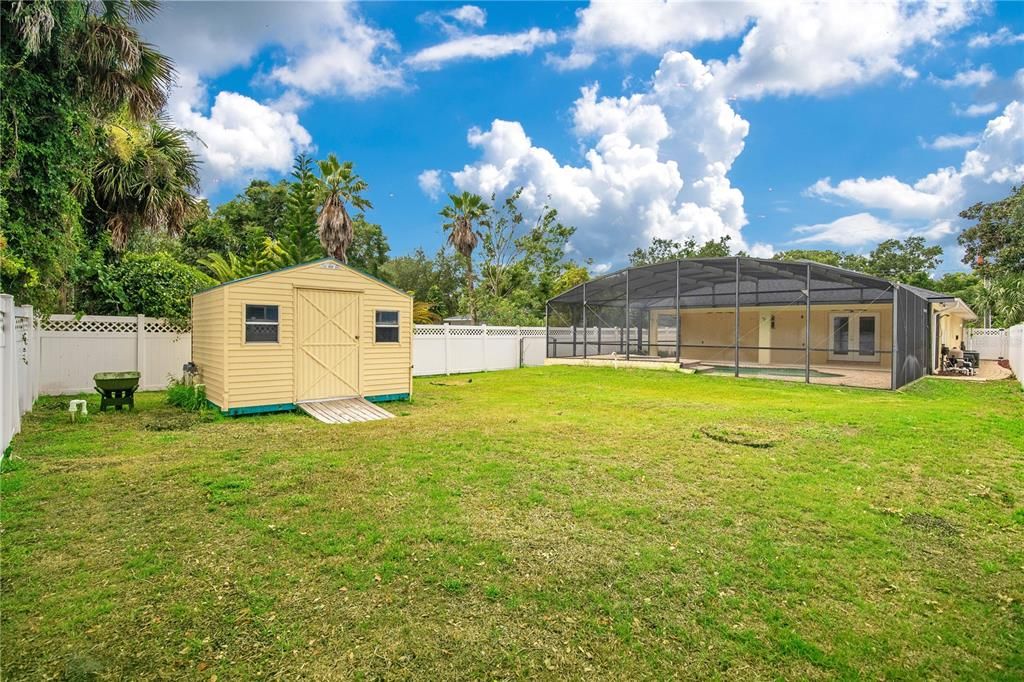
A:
297, 241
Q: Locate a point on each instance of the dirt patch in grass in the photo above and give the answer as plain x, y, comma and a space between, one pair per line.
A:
930, 523
747, 436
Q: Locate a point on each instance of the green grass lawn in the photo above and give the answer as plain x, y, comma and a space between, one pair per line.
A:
556, 522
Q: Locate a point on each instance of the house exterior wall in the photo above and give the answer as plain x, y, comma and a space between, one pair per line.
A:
263, 374
207, 342
951, 330
711, 327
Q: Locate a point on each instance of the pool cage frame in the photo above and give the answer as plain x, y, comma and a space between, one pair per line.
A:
578, 321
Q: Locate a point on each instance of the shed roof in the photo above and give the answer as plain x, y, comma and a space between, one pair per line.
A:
300, 265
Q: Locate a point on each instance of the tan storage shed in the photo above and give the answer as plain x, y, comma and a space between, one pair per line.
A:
309, 332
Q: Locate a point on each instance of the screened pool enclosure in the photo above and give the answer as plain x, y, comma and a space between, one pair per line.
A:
796, 321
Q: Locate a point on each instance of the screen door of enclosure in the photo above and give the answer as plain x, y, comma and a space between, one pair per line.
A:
327, 348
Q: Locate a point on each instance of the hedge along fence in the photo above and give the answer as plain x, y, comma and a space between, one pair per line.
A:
70, 350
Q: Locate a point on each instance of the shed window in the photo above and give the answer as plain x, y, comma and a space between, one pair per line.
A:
261, 324
386, 326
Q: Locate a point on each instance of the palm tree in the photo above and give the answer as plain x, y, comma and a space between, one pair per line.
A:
339, 185
464, 211
984, 298
228, 267
117, 67
423, 312
1010, 305
144, 178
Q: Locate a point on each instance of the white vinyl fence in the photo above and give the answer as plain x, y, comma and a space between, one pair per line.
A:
1015, 350
60, 354
73, 349
19, 366
455, 349
992, 344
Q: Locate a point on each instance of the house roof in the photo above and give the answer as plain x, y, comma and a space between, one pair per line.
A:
300, 265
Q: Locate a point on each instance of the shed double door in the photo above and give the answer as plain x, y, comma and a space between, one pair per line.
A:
327, 344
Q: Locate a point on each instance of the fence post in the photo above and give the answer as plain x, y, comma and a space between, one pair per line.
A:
30, 357
36, 350
446, 338
140, 348
519, 335
8, 374
484, 345
4, 383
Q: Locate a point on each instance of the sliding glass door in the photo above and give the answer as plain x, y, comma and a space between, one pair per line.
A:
853, 337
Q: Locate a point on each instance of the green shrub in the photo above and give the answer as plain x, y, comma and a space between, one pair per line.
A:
185, 396
155, 284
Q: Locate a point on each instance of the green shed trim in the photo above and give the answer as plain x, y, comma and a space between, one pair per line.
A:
302, 265
388, 397
253, 409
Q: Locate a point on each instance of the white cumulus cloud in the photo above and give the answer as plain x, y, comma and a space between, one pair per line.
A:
327, 46
975, 110
852, 230
455, 21
471, 15
989, 168
1004, 36
650, 27
979, 77
481, 47
943, 142
787, 48
430, 182
656, 164
348, 56
239, 136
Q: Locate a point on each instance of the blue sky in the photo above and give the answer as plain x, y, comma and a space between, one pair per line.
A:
781, 125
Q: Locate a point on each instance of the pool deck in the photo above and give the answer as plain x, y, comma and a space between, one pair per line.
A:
842, 375
988, 370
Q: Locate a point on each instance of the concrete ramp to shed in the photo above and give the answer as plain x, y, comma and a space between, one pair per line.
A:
344, 410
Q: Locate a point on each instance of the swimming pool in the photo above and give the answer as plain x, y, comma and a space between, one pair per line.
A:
768, 371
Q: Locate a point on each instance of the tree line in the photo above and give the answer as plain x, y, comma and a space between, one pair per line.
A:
100, 214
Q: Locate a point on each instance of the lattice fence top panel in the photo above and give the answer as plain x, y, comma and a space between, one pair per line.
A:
163, 327
106, 324
90, 325
482, 330
986, 331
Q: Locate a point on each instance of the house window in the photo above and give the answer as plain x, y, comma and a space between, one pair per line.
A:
386, 326
261, 324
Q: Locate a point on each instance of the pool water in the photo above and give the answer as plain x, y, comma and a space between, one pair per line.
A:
768, 371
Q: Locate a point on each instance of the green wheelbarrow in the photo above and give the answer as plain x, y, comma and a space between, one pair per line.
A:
117, 389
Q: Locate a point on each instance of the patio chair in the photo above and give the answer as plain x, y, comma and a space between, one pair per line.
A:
951, 365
